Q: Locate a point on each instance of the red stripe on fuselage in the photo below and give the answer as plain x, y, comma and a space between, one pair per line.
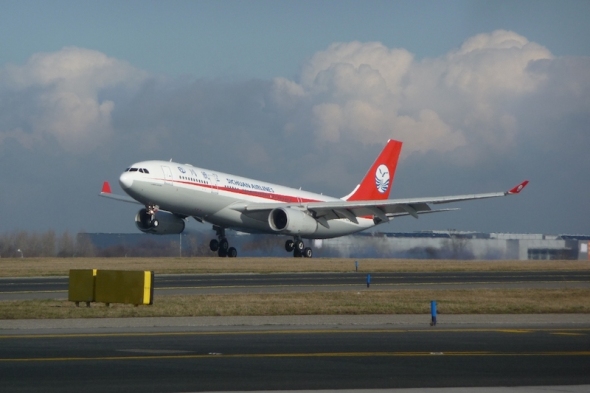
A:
265, 195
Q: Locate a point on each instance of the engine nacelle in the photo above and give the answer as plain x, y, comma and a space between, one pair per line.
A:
162, 223
292, 221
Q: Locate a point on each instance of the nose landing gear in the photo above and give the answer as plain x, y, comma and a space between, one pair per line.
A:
298, 248
221, 245
148, 216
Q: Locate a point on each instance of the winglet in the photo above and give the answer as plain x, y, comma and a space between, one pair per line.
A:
518, 188
106, 188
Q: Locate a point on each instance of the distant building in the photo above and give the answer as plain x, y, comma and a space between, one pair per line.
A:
413, 245
463, 245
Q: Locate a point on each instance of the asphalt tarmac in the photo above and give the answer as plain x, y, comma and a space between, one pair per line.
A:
290, 353
56, 287
298, 352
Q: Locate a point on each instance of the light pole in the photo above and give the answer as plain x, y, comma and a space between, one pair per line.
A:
21, 253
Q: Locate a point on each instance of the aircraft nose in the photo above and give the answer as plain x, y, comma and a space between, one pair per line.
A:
126, 180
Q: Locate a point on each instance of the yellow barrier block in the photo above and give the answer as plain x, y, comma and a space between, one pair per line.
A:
120, 286
81, 285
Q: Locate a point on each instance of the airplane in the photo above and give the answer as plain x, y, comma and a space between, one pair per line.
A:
171, 193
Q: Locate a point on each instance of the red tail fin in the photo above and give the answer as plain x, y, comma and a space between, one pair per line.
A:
377, 182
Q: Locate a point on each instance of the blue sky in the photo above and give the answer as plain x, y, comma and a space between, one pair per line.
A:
264, 39
304, 93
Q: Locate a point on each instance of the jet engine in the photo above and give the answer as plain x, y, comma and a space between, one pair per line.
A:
292, 221
161, 223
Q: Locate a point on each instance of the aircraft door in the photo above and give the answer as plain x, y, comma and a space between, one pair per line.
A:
214, 183
167, 175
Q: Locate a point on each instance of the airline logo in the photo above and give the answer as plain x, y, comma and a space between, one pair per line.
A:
382, 178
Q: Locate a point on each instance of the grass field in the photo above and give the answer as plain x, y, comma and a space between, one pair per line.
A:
32, 267
496, 301
407, 301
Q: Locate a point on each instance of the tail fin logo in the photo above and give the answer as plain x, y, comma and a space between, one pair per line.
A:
382, 178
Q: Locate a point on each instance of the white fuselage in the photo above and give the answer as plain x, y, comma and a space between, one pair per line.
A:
217, 197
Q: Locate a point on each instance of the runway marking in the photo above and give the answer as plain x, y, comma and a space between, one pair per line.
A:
214, 355
571, 331
27, 292
567, 334
154, 351
377, 284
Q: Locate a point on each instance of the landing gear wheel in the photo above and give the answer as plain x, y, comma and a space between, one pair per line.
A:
224, 244
222, 253
299, 245
289, 245
214, 245
307, 252
232, 252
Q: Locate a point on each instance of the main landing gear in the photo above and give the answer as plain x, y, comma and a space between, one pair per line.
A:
221, 245
298, 248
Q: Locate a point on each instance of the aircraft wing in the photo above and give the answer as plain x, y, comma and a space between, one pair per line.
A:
106, 192
383, 209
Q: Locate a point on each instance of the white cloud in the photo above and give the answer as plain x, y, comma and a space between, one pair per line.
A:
328, 120
369, 93
475, 101
358, 92
390, 65
494, 63
58, 95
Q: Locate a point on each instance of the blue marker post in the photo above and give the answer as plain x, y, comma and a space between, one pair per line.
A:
368, 280
356, 266
433, 312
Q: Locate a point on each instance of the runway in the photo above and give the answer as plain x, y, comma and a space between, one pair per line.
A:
56, 287
296, 352
279, 357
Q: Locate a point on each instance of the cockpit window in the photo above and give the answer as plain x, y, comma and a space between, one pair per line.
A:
142, 170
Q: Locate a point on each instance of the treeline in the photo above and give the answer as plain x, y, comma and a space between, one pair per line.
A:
47, 244
190, 245
23, 244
